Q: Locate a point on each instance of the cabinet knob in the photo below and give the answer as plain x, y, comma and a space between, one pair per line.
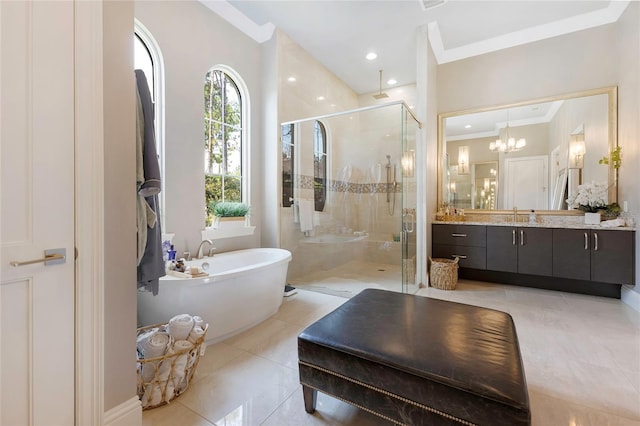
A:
513, 237
586, 241
458, 235
521, 237
595, 241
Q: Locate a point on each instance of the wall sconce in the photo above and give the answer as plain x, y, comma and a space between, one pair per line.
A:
577, 151
408, 163
463, 160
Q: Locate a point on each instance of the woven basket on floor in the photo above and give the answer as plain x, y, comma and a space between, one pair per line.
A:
443, 273
172, 372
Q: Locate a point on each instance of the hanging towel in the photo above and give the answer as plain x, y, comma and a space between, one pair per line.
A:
306, 208
151, 168
151, 265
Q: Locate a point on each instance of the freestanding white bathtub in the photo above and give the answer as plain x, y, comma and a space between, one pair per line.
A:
244, 288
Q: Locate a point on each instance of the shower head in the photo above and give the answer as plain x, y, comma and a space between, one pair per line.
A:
380, 94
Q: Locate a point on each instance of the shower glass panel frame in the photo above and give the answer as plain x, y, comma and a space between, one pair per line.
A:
365, 234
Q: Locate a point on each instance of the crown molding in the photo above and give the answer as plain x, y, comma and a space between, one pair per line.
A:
226, 11
517, 38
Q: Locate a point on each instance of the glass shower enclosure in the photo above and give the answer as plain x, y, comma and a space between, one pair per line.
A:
349, 193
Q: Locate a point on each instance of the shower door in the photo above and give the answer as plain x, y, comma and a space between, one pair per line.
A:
409, 201
349, 200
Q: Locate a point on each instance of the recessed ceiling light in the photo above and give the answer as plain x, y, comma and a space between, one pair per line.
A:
391, 81
467, 126
371, 56
320, 98
291, 79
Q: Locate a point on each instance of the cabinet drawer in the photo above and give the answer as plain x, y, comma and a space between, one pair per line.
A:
459, 235
470, 257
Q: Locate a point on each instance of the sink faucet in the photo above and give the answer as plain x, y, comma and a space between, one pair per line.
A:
199, 254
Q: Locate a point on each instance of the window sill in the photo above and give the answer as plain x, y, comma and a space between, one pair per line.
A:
227, 232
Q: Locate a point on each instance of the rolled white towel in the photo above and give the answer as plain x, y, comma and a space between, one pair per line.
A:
180, 326
198, 321
179, 366
171, 373
196, 333
142, 338
154, 346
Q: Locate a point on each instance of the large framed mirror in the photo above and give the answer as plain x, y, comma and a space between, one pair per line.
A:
527, 155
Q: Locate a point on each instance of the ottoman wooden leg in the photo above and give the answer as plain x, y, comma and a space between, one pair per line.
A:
310, 397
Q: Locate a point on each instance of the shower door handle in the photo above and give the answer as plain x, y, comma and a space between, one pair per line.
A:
407, 222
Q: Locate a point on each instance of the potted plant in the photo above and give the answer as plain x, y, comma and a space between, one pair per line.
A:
226, 211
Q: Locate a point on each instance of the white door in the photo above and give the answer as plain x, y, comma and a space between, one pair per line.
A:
526, 183
37, 199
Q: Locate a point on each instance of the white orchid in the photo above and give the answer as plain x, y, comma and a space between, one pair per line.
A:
590, 197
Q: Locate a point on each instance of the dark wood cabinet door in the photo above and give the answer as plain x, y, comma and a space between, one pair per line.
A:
572, 254
612, 256
502, 249
535, 251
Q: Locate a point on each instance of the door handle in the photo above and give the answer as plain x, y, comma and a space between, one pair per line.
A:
51, 257
513, 237
461, 256
458, 235
521, 237
595, 241
586, 241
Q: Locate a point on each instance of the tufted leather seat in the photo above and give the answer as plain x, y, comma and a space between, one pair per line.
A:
416, 360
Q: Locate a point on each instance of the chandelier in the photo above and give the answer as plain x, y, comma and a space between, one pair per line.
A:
511, 145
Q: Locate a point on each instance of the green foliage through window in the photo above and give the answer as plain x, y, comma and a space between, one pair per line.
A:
222, 141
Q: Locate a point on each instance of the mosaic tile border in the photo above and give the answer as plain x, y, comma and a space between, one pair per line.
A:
306, 182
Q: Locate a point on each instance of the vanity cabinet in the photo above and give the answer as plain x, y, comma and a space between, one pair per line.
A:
605, 256
589, 261
519, 249
467, 242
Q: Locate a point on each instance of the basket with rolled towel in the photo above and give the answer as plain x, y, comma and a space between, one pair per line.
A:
168, 355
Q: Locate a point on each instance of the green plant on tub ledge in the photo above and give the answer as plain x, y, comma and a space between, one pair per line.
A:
226, 211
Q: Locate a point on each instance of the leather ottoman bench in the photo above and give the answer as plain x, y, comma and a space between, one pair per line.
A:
417, 361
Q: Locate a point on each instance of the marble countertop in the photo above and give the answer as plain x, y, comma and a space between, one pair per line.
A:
564, 225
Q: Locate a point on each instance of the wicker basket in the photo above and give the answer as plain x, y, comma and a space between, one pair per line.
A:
443, 273
170, 374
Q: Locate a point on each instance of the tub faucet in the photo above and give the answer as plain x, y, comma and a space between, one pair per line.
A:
199, 254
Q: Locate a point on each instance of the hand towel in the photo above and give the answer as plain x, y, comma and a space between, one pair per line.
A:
306, 208
612, 223
180, 326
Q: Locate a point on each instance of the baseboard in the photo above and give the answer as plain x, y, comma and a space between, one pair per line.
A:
630, 297
129, 413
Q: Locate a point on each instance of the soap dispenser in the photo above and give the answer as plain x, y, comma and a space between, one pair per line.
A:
532, 216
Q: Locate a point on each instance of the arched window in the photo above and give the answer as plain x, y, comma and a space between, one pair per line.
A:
224, 107
319, 165
148, 58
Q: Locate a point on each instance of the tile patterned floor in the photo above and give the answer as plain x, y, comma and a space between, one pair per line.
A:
581, 356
